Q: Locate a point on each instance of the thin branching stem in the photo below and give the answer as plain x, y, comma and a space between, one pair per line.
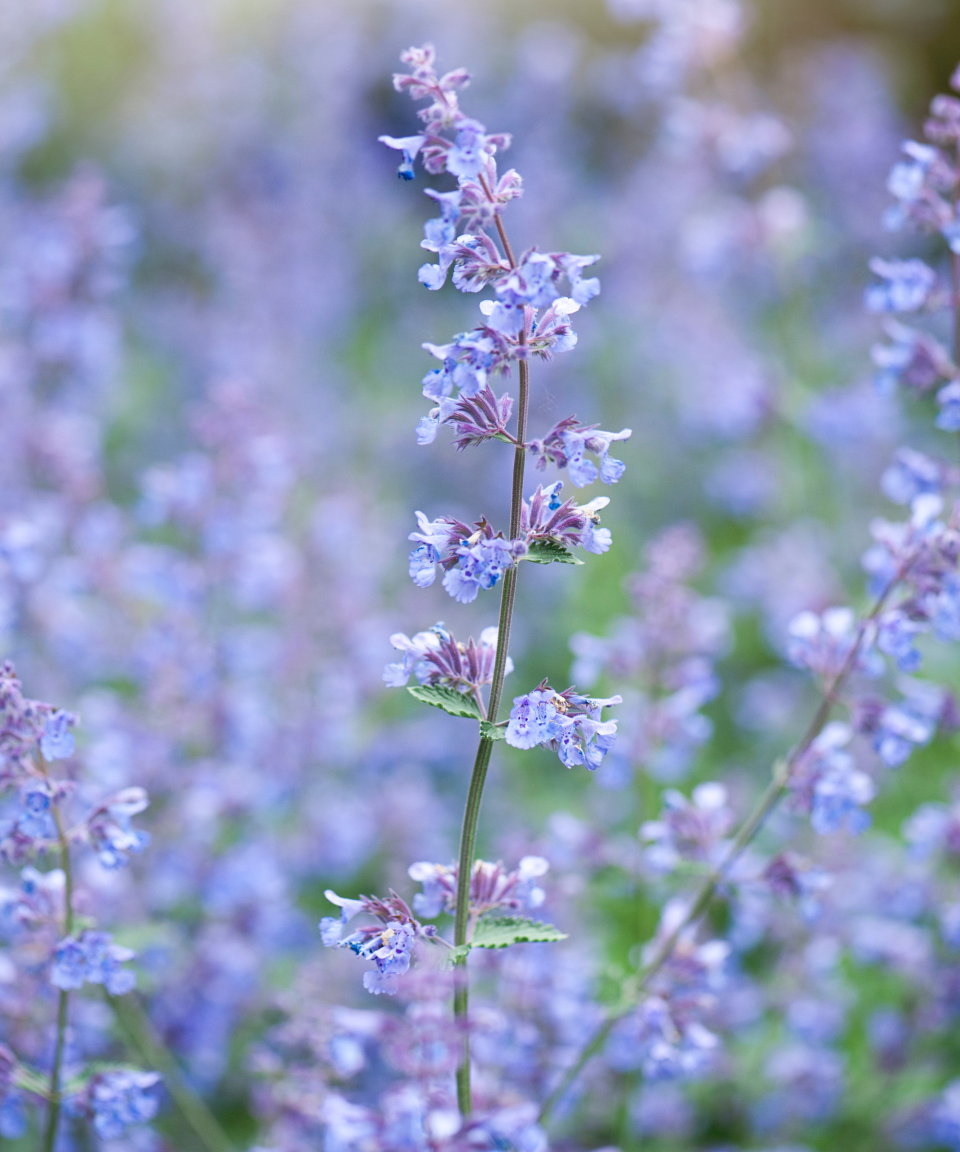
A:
471, 813
63, 1001
634, 988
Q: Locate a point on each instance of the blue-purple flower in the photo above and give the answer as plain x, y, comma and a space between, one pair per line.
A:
120, 1098
388, 944
492, 887
566, 443
905, 285
825, 643
92, 958
435, 657
480, 564
111, 832
57, 742
410, 147
825, 782
566, 722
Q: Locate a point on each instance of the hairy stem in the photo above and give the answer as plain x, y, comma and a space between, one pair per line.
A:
142, 1037
634, 988
501, 231
471, 813
63, 1002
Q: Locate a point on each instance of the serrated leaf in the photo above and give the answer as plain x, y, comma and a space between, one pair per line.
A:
446, 698
491, 731
550, 552
502, 931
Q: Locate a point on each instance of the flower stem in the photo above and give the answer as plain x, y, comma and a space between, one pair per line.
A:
53, 1112
634, 988
471, 813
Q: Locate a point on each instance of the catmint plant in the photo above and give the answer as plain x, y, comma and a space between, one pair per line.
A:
48, 923
526, 317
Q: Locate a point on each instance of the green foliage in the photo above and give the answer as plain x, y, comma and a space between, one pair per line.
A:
550, 552
491, 731
502, 931
446, 698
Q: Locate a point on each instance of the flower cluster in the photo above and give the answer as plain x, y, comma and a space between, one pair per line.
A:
47, 952
92, 958
117, 1099
691, 830
388, 944
666, 1036
475, 559
529, 315
492, 887
829, 643
565, 444
435, 657
567, 722
826, 783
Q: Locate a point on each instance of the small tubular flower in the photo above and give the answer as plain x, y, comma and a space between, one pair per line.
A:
415, 651
897, 727
789, 875
434, 542
481, 561
110, 831
410, 147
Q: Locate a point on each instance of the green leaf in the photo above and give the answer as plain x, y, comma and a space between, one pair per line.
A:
446, 698
491, 731
502, 931
550, 552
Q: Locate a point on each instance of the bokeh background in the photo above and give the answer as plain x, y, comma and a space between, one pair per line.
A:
210, 357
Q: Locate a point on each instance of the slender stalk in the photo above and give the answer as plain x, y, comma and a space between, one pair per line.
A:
502, 232
53, 1112
955, 283
63, 1003
633, 989
955, 273
471, 814
955, 279
142, 1037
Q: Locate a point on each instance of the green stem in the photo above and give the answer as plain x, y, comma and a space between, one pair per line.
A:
471, 813
704, 895
63, 1003
142, 1037
53, 1112
955, 279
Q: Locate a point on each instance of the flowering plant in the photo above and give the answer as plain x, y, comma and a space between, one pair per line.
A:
526, 318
